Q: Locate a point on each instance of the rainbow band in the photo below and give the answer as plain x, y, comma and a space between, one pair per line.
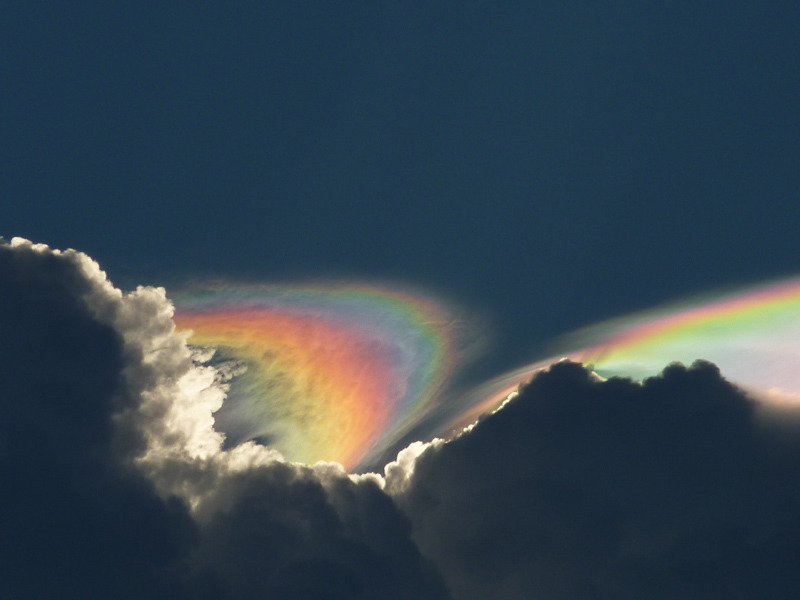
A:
341, 372
752, 335
334, 372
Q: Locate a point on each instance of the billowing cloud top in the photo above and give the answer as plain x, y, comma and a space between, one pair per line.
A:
116, 484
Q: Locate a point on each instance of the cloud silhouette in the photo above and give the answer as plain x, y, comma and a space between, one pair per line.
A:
583, 488
75, 521
117, 485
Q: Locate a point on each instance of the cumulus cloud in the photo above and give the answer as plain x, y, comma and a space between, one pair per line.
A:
116, 484
582, 488
75, 522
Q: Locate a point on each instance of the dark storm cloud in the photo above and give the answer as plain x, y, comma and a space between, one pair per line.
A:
588, 489
293, 533
74, 524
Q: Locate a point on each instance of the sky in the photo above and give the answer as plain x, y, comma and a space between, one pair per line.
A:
448, 192
548, 168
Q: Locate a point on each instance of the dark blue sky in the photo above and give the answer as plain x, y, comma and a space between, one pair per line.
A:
546, 166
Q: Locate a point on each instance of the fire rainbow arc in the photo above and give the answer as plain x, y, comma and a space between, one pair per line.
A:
343, 371
331, 371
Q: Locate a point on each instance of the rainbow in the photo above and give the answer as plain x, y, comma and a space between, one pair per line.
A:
752, 335
343, 371
328, 372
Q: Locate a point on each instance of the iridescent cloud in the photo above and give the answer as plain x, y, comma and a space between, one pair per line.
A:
333, 371
753, 335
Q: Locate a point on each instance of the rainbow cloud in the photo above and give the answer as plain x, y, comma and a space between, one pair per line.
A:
331, 372
753, 335
343, 372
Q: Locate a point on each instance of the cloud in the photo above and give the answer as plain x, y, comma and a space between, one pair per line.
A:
116, 484
583, 488
296, 532
75, 522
